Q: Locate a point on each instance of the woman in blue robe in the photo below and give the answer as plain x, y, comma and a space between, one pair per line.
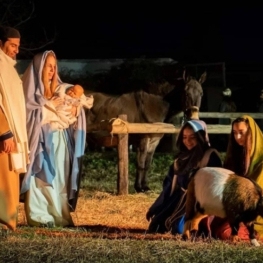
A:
50, 186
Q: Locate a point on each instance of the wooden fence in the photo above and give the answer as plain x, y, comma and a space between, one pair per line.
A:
219, 128
117, 126
122, 128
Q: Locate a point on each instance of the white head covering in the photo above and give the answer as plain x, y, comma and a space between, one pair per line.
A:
199, 125
227, 92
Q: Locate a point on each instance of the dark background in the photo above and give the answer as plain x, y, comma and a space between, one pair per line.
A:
190, 32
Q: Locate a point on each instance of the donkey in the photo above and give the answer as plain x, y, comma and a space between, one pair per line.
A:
142, 107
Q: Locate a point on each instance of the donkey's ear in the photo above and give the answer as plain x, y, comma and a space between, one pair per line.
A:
203, 78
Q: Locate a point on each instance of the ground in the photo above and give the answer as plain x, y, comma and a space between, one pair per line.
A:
104, 215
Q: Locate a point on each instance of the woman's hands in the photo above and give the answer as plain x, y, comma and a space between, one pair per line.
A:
57, 101
149, 215
74, 111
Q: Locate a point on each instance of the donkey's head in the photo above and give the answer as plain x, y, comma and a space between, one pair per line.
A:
184, 93
192, 94
193, 91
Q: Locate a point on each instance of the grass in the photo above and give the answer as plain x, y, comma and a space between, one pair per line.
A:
112, 228
100, 171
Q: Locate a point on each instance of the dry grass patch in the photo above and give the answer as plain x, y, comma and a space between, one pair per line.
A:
120, 211
104, 215
111, 228
127, 211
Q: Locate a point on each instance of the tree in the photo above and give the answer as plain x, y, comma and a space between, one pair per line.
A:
24, 15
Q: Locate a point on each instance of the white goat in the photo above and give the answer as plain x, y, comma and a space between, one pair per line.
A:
220, 192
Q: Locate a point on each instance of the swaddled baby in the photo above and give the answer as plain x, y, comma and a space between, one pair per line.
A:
73, 97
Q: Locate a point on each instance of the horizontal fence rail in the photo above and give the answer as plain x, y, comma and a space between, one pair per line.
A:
219, 128
117, 126
226, 115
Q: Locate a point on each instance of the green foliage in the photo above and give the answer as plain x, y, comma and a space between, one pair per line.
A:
159, 168
100, 170
87, 80
131, 75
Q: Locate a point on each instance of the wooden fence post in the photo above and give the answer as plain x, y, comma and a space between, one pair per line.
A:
123, 162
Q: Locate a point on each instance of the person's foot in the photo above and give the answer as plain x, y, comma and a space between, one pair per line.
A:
49, 224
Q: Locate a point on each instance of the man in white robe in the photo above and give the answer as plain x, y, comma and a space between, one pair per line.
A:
13, 135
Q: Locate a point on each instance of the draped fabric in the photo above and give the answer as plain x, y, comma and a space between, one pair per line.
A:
35, 101
253, 160
55, 154
12, 103
169, 208
12, 119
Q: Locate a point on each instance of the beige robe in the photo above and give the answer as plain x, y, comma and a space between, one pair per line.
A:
12, 118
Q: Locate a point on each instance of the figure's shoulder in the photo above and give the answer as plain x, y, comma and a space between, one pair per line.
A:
211, 150
4, 66
211, 155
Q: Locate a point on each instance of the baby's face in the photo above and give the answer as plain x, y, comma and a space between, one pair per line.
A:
74, 92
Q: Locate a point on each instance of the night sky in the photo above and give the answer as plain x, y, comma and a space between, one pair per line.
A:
190, 33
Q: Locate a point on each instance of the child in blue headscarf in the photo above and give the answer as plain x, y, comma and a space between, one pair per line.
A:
167, 212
